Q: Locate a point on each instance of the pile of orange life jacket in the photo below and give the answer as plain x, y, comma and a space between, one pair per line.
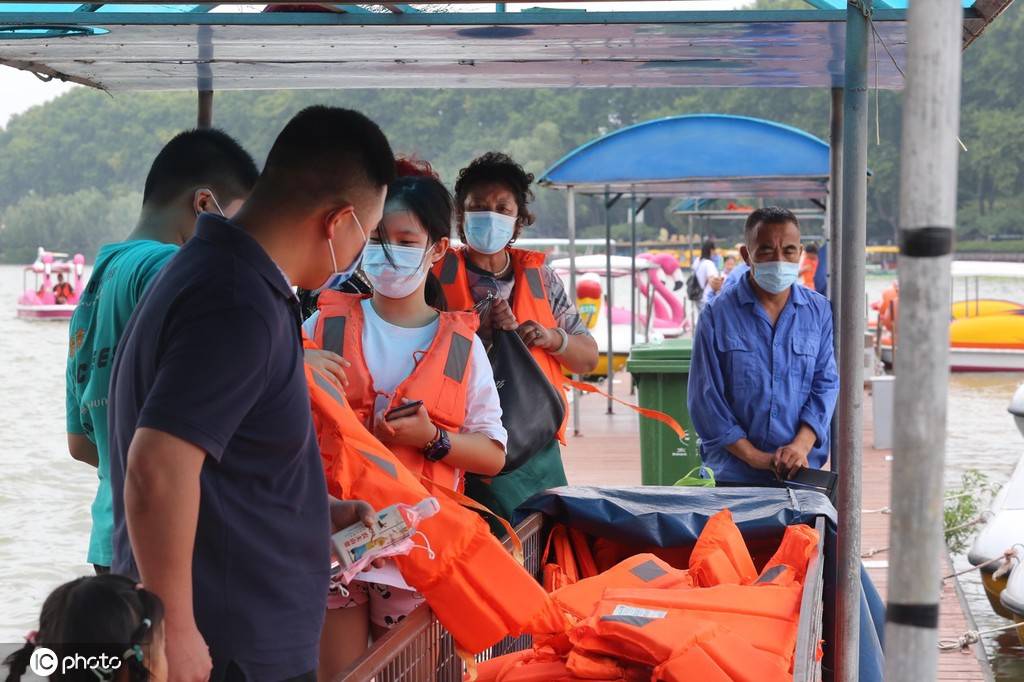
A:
643, 619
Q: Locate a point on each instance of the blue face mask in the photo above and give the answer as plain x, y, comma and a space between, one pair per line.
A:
339, 277
489, 232
776, 276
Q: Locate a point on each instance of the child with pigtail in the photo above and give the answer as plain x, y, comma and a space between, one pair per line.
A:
107, 628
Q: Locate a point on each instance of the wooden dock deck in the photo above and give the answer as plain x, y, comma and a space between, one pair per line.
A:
608, 453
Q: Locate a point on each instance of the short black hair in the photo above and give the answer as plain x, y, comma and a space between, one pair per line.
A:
325, 151
420, 191
495, 167
769, 215
811, 248
200, 158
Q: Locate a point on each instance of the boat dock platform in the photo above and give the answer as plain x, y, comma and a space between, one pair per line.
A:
608, 453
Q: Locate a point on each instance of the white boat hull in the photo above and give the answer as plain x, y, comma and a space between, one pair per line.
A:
986, 360
1004, 529
46, 312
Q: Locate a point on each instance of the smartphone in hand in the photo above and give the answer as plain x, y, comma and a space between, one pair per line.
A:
404, 410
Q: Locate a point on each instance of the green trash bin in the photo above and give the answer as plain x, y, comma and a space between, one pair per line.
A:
661, 371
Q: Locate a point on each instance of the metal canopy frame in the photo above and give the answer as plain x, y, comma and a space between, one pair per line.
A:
353, 48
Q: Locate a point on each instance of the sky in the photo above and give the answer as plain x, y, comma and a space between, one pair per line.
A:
20, 90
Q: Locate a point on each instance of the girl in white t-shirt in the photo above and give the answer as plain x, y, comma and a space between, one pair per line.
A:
399, 325
706, 271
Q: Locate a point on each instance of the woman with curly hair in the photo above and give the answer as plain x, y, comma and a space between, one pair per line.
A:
492, 197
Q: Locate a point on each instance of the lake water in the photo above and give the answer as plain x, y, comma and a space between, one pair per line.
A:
45, 495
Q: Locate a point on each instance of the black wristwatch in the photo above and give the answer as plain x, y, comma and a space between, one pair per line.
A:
438, 449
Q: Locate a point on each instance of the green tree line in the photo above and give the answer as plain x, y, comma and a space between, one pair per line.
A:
71, 170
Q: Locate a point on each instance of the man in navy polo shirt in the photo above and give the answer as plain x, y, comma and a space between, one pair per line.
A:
220, 501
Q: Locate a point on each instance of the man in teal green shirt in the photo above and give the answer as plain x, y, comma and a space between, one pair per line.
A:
197, 171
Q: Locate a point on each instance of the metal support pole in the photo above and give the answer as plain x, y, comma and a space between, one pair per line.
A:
851, 321
928, 187
570, 210
835, 211
204, 115
632, 268
835, 241
610, 355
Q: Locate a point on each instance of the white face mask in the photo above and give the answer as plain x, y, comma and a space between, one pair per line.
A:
339, 277
402, 275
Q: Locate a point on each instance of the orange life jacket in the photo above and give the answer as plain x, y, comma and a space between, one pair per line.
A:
477, 589
529, 302
723, 656
673, 631
807, 270
789, 563
440, 379
572, 558
643, 570
766, 616
720, 555
888, 312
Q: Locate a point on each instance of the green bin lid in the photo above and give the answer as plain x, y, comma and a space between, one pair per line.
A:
670, 355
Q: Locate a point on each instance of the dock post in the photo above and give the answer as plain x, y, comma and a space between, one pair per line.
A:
928, 187
570, 212
851, 326
835, 234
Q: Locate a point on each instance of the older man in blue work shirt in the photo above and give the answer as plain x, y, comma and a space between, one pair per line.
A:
763, 381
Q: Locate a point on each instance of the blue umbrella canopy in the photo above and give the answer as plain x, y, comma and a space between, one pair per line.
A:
699, 155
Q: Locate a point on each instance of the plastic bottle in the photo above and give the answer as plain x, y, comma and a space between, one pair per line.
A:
391, 535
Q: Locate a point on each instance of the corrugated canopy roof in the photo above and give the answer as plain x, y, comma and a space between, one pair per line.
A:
135, 46
701, 155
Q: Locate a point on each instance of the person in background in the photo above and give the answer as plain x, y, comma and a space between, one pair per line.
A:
727, 265
821, 274
62, 291
706, 272
220, 500
197, 171
809, 266
492, 196
399, 325
107, 615
763, 381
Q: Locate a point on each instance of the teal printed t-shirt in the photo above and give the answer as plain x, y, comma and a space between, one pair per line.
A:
120, 276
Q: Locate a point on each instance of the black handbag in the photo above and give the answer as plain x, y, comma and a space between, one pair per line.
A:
531, 408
